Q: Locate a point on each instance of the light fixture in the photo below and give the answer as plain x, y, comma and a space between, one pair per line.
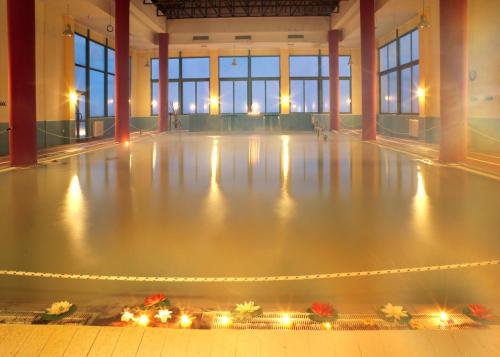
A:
234, 63
68, 32
225, 320
420, 92
214, 101
185, 321
423, 24
286, 321
73, 97
285, 100
143, 320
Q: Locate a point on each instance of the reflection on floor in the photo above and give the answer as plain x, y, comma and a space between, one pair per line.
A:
249, 205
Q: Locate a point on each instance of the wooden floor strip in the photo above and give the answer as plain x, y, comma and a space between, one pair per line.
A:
36, 341
58, 341
82, 341
93, 341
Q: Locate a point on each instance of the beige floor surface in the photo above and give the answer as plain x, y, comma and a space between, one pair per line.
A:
53, 341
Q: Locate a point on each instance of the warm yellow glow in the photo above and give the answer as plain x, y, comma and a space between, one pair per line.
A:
285, 156
214, 101
286, 320
214, 160
285, 100
185, 321
192, 107
75, 206
127, 316
143, 320
327, 325
225, 320
254, 151
73, 97
126, 143
154, 103
421, 92
163, 315
443, 316
153, 158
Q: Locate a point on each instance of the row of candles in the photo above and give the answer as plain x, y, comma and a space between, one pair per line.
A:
185, 320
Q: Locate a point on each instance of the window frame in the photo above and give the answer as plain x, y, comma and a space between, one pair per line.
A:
180, 85
319, 78
398, 70
249, 80
88, 69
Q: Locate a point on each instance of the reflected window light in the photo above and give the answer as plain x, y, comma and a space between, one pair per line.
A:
175, 105
75, 209
192, 107
154, 103
285, 156
214, 160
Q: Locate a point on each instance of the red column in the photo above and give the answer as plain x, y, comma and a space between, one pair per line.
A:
22, 82
122, 76
333, 53
163, 82
368, 70
454, 67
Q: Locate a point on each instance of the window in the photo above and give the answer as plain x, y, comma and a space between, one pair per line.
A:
310, 84
249, 84
399, 75
188, 85
95, 75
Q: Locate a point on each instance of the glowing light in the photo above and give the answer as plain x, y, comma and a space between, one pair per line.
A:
143, 320
127, 316
443, 316
214, 101
111, 101
387, 98
214, 160
285, 100
254, 151
75, 206
154, 103
421, 92
225, 320
348, 100
285, 156
286, 320
185, 321
73, 97
327, 325
163, 315
126, 143
175, 105
192, 107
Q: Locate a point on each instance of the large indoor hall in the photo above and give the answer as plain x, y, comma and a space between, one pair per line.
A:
249, 178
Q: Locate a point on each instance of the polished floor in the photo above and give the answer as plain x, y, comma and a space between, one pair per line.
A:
93, 341
250, 205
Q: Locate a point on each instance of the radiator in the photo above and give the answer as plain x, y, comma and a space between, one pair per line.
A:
98, 128
413, 128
